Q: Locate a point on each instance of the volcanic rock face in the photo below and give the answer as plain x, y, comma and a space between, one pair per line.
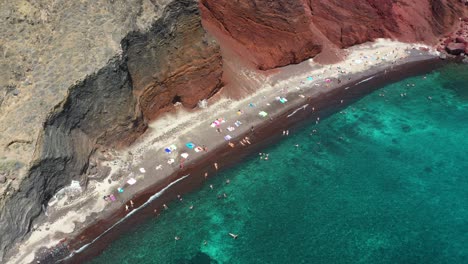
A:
109, 107
182, 64
277, 33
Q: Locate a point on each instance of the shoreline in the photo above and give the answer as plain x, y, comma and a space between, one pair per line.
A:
69, 223
266, 133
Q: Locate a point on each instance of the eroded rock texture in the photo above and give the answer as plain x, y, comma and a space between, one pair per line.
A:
181, 63
173, 58
277, 33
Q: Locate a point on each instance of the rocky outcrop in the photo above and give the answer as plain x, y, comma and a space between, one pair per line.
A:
99, 109
111, 108
182, 64
277, 33
456, 43
454, 48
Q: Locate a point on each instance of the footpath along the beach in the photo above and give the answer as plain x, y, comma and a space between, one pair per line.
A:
195, 144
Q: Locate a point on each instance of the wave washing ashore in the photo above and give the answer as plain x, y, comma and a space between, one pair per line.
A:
382, 180
184, 142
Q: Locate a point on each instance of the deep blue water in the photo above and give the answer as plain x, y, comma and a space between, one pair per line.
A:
383, 181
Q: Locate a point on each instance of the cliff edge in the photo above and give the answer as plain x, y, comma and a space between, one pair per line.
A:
81, 74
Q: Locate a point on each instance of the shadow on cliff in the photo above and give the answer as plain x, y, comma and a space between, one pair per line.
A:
174, 61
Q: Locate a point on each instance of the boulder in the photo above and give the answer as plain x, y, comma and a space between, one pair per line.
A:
460, 40
2, 179
455, 48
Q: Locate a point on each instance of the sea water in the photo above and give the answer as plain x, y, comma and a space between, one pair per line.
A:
384, 180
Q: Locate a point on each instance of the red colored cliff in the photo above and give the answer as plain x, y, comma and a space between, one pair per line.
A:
272, 33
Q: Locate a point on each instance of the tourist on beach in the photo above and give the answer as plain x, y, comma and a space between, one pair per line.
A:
126, 208
131, 203
216, 165
206, 175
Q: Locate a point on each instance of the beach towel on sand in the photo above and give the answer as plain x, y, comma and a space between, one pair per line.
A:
198, 149
263, 113
131, 181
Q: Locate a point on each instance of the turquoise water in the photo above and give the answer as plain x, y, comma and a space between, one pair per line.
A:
383, 181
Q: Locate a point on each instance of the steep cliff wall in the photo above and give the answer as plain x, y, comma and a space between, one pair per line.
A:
181, 62
278, 33
111, 107
100, 108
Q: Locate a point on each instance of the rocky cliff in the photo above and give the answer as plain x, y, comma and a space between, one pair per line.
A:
75, 75
277, 33
61, 118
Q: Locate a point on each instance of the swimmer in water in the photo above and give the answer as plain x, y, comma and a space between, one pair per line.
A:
191, 207
165, 207
211, 186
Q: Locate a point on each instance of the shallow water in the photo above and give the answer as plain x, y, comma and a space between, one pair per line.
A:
383, 181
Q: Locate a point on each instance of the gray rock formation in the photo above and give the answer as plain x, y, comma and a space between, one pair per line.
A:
102, 108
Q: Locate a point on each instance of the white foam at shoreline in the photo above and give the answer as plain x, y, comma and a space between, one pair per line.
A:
300, 108
151, 199
365, 80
